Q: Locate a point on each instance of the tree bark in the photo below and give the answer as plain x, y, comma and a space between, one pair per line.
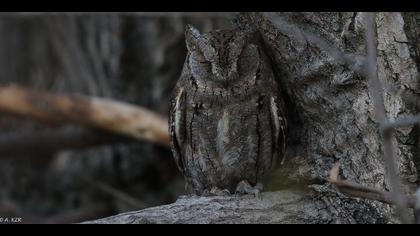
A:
320, 59
279, 207
274, 207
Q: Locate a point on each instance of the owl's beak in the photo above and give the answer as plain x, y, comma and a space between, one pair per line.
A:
225, 74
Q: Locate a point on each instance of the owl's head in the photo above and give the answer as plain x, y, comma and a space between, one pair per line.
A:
221, 55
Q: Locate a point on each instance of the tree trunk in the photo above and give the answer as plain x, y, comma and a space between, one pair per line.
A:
320, 61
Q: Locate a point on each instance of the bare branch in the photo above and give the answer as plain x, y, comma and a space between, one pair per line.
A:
401, 122
116, 117
359, 191
375, 88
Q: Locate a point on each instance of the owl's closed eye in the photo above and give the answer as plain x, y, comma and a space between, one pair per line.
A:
220, 55
200, 67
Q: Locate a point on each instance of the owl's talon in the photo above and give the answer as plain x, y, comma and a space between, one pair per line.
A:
219, 192
206, 193
245, 188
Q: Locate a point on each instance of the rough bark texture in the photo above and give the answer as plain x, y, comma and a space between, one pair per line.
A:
275, 207
285, 207
319, 57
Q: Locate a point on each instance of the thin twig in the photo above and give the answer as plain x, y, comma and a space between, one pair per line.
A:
376, 91
359, 191
401, 122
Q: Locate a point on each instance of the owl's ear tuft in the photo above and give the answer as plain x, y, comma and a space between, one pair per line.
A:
191, 37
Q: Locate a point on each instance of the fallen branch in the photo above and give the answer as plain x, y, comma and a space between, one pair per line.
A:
359, 191
116, 117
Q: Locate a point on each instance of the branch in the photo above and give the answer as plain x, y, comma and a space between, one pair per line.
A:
285, 206
375, 88
359, 191
116, 117
274, 207
401, 122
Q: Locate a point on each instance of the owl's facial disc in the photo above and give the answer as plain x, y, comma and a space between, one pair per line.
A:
220, 56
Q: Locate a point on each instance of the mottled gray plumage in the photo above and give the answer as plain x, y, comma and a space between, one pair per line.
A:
226, 123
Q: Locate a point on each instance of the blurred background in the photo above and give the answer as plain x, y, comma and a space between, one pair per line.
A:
130, 57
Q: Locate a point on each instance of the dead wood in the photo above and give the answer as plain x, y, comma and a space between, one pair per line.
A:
105, 114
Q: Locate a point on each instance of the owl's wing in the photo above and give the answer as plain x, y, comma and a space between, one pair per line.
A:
177, 125
279, 129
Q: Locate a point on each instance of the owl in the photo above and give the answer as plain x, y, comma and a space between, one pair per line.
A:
226, 125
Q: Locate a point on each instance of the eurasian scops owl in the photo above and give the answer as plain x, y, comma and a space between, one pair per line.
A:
226, 125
